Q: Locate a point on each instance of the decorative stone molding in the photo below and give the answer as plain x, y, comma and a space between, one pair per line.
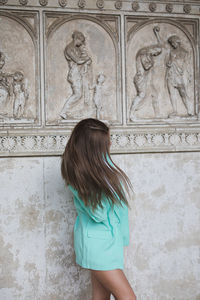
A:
118, 4
135, 6
131, 142
82, 3
152, 6
100, 4
43, 2
169, 7
123, 5
23, 2
187, 8
63, 3
121, 142
3, 2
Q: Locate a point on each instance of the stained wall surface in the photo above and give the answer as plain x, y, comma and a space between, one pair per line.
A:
162, 261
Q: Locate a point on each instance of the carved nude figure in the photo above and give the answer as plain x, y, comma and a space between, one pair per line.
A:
174, 74
97, 96
144, 63
4, 83
79, 68
20, 94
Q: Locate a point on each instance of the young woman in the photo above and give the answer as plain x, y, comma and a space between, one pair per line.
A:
101, 229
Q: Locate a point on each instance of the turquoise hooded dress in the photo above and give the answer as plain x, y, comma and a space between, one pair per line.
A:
100, 235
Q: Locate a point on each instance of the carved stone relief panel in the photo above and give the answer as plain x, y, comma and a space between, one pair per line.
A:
19, 77
132, 64
83, 73
161, 70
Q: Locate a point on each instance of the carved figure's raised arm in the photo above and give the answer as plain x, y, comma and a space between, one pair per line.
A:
156, 30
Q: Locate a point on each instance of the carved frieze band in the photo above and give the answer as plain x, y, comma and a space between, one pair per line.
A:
121, 142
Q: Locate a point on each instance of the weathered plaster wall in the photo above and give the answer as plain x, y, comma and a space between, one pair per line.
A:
162, 261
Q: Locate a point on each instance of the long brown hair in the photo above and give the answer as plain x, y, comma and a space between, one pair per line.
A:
87, 166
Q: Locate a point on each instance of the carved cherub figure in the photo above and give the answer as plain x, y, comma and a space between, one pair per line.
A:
97, 95
175, 65
20, 94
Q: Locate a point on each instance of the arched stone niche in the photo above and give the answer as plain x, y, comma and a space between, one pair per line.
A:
161, 73
89, 75
19, 77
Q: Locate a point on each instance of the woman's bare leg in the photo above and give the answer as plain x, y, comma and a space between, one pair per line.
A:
99, 292
116, 282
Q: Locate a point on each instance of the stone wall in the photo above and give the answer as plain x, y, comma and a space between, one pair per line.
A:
162, 261
136, 68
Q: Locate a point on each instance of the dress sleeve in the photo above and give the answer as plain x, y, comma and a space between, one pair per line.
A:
98, 215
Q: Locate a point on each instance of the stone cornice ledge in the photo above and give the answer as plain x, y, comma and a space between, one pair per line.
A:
128, 141
120, 6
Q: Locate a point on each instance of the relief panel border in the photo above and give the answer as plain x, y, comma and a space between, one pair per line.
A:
139, 22
32, 28
114, 33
